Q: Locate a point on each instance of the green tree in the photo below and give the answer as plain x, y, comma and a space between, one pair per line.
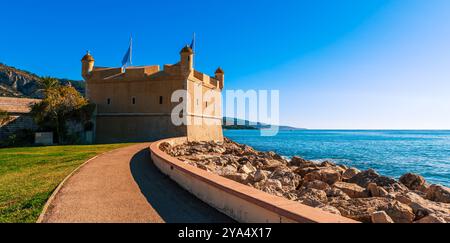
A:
60, 104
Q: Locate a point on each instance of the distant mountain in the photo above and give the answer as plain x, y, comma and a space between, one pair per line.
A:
19, 83
252, 126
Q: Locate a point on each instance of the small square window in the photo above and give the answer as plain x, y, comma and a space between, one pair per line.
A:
160, 100
134, 101
108, 101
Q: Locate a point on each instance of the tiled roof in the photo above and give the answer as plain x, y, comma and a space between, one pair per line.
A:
16, 105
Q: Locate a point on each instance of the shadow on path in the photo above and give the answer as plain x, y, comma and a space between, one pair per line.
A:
173, 203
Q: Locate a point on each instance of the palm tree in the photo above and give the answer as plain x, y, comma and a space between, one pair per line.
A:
47, 83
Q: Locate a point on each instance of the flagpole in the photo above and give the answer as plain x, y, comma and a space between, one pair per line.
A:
195, 43
131, 49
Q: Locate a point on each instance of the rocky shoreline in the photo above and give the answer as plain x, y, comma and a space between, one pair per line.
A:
364, 196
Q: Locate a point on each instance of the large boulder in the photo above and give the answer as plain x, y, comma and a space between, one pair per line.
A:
312, 197
286, 177
431, 219
271, 155
217, 149
327, 164
304, 171
329, 209
352, 190
335, 194
423, 207
350, 173
413, 182
400, 212
381, 217
272, 165
361, 209
227, 170
376, 191
364, 178
318, 185
301, 163
238, 177
247, 168
438, 193
291, 195
261, 175
247, 150
327, 175
272, 190
275, 184
210, 167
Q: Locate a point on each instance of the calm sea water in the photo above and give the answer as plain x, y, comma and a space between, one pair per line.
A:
391, 153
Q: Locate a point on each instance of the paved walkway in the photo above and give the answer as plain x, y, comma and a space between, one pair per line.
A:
125, 186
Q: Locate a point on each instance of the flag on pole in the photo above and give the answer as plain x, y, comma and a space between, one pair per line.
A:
127, 59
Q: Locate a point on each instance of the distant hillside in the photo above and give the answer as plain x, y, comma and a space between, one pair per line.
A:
19, 83
249, 126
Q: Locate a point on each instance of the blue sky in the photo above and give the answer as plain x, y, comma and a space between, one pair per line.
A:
373, 64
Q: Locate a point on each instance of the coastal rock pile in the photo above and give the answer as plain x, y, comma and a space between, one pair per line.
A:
364, 196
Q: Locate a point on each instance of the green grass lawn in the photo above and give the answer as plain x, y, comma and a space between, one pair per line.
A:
28, 176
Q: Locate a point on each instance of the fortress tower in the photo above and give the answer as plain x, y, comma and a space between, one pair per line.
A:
87, 66
187, 59
136, 106
220, 76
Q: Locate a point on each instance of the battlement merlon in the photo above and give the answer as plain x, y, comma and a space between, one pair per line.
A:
185, 67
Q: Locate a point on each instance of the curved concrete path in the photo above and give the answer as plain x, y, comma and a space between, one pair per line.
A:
125, 186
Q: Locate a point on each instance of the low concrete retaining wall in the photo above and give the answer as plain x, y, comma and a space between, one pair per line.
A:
240, 202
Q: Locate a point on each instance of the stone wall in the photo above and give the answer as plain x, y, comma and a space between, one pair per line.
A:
17, 123
116, 128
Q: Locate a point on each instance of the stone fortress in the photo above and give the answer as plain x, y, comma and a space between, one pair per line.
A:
134, 105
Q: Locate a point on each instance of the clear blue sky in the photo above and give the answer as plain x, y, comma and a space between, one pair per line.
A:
338, 64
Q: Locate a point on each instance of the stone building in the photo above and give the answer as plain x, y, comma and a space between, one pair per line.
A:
134, 105
19, 117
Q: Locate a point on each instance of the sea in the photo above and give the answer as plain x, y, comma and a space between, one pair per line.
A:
390, 153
